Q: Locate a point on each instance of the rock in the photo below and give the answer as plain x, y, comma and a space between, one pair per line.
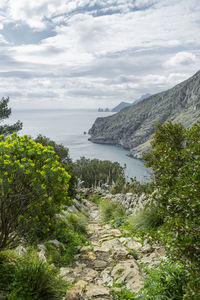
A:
93, 290
128, 273
100, 264
76, 292
134, 245
88, 256
20, 250
56, 243
105, 278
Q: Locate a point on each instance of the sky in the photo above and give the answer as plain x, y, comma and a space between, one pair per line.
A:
66, 54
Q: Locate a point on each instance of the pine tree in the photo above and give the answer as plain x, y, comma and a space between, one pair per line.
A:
4, 114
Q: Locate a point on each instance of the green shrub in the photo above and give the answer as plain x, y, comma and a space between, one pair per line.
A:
64, 158
175, 160
29, 278
97, 172
167, 282
71, 233
94, 198
145, 220
134, 186
111, 211
33, 186
123, 294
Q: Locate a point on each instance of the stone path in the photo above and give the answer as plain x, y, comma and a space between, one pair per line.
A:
108, 263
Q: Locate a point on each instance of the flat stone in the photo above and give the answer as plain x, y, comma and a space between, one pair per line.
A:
105, 278
128, 273
88, 256
133, 245
100, 264
76, 292
96, 291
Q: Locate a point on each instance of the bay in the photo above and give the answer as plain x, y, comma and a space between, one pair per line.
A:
68, 127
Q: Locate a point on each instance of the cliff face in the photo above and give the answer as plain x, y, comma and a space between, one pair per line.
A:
133, 127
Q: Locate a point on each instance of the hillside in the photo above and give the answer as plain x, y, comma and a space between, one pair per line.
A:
133, 127
120, 106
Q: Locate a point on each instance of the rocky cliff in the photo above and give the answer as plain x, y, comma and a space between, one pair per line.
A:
133, 127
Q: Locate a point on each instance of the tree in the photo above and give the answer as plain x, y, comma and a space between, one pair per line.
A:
175, 160
33, 186
97, 172
4, 114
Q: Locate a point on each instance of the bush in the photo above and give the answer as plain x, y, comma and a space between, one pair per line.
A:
33, 186
30, 279
112, 211
167, 282
134, 186
145, 220
97, 172
175, 159
64, 158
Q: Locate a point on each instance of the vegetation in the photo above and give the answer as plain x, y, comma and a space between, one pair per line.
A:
64, 158
175, 160
133, 186
4, 114
33, 185
27, 278
112, 212
145, 220
167, 282
97, 172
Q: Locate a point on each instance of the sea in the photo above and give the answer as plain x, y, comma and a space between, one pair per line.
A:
70, 128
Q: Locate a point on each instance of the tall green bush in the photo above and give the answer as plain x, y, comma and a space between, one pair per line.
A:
33, 185
64, 158
175, 159
97, 172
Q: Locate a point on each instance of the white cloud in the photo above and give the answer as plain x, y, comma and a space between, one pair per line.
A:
181, 58
109, 57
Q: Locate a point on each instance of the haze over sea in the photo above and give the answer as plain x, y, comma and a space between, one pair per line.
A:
68, 127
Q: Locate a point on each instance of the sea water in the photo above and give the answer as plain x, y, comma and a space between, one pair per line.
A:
70, 127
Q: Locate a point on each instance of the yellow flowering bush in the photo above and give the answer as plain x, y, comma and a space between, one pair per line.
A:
33, 186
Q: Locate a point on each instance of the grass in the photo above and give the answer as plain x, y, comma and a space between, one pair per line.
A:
29, 278
145, 221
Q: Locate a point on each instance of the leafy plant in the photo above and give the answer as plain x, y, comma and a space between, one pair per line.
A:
63, 158
35, 280
167, 282
33, 185
145, 220
97, 172
111, 211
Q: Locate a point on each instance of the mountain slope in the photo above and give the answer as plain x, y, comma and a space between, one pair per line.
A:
132, 127
121, 106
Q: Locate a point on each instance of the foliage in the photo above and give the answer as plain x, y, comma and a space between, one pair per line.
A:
4, 114
145, 220
112, 211
94, 198
70, 232
123, 294
97, 172
167, 282
134, 186
64, 158
175, 159
29, 278
33, 185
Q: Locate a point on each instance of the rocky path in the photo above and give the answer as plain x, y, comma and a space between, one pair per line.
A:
110, 262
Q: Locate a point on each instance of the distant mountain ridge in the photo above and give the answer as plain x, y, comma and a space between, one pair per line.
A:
133, 127
126, 104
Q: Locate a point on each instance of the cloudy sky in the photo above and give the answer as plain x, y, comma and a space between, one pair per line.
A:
95, 53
